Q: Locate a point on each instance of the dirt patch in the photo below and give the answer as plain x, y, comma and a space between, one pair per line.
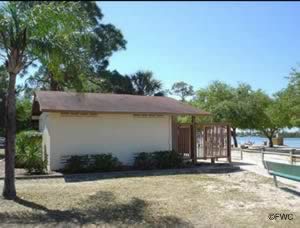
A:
238, 199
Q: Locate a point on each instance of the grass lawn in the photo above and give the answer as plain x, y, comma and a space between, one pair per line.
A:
240, 199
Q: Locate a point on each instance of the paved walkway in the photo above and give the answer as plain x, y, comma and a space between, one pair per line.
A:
253, 163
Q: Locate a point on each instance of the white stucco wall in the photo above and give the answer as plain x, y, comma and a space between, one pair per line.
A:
46, 142
123, 135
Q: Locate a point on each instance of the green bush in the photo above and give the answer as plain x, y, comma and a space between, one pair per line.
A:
105, 162
29, 153
168, 159
158, 160
77, 164
145, 161
92, 163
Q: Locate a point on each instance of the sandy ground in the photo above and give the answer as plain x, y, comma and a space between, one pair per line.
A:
239, 199
253, 162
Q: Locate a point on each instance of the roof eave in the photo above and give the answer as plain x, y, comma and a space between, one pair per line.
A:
117, 112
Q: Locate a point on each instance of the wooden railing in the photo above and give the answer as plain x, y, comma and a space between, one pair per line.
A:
293, 154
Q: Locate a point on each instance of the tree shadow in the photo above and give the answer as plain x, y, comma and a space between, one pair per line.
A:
101, 209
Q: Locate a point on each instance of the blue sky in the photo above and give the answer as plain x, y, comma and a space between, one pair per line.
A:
198, 42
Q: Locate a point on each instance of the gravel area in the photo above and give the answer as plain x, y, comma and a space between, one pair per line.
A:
239, 199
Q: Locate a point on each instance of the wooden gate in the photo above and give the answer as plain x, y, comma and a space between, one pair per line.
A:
184, 140
214, 141
211, 141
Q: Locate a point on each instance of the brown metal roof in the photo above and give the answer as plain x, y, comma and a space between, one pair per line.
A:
53, 101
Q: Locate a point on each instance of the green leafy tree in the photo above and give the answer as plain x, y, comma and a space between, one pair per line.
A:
24, 108
140, 83
26, 32
227, 104
112, 82
83, 57
290, 97
272, 115
144, 84
182, 90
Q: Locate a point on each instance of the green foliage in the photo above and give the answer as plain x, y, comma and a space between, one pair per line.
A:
140, 83
290, 97
92, 163
105, 162
158, 160
144, 161
75, 63
270, 114
29, 153
144, 83
77, 164
240, 106
24, 107
114, 82
182, 90
243, 108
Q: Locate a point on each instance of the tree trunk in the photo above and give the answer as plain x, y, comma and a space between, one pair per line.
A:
54, 85
9, 191
270, 141
233, 134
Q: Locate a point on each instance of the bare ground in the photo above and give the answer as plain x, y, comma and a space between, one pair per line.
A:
1, 154
240, 199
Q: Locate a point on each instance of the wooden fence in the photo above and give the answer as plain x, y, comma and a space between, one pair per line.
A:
212, 141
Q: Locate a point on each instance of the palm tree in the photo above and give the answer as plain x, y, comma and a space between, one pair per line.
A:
22, 42
144, 84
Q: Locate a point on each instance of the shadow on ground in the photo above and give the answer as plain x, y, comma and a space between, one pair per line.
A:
291, 191
241, 163
101, 208
201, 168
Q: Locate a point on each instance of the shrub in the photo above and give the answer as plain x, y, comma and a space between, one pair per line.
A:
168, 159
92, 163
144, 161
77, 164
105, 162
158, 160
29, 153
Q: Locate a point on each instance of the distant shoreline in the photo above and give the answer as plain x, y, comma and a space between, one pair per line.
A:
262, 136
259, 140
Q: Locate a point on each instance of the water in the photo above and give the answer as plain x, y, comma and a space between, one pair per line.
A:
291, 142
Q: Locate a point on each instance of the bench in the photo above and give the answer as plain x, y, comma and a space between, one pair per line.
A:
287, 171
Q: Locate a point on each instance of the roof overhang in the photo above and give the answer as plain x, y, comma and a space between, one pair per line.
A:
62, 102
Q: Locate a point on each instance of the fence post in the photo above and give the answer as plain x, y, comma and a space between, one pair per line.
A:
291, 156
241, 154
229, 143
193, 141
262, 155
